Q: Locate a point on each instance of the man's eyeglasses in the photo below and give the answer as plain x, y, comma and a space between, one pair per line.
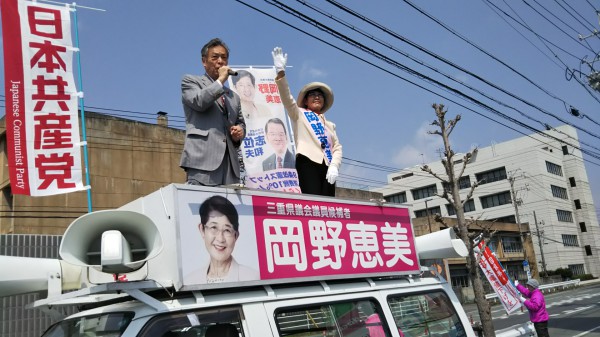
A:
315, 94
214, 231
276, 134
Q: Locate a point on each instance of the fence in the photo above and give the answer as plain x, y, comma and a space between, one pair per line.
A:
551, 287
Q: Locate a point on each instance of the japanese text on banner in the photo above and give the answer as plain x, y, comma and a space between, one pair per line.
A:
43, 128
298, 238
498, 279
268, 150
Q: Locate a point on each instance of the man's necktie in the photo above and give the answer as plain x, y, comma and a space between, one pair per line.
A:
279, 162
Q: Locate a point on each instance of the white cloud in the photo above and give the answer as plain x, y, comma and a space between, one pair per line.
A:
422, 148
309, 72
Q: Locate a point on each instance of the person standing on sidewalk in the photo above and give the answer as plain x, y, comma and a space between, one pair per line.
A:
534, 301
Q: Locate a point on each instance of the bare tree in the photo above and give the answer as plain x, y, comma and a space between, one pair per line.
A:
450, 181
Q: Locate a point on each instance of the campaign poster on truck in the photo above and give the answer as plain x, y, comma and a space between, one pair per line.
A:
228, 238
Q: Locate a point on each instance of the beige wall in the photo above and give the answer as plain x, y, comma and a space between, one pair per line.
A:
127, 160
348, 193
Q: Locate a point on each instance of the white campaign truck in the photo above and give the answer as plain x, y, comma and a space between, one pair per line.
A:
205, 262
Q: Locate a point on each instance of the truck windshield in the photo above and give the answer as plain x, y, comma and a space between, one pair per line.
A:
105, 325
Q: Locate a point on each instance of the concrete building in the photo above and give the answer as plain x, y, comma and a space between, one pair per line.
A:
551, 185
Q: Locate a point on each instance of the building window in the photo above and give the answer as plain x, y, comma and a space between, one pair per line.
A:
553, 168
577, 269
468, 207
398, 198
559, 192
577, 204
508, 218
423, 212
565, 150
497, 199
491, 176
424, 192
402, 176
463, 182
570, 240
582, 227
450, 209
459, 276
564, 216
572, 181
512, 244
588, 250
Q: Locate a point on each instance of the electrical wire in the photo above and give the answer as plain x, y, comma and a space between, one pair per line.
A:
142, 113
542, 40
573, 16
384, 58
352, 27
560, 29
495, 10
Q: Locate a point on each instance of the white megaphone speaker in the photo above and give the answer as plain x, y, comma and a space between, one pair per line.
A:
440, 245
112, 241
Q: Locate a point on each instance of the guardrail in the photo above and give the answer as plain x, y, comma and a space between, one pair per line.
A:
551, 286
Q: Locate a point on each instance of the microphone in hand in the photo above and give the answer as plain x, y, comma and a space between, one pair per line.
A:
232, 72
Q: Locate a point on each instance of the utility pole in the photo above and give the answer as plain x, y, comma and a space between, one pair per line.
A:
427, 212
537, 229
511, 180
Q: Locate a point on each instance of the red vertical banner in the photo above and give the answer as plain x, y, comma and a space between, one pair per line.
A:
42, 124
507, 293
15, 110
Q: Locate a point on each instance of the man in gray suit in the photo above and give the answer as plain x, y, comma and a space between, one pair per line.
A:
213, 121
277, 139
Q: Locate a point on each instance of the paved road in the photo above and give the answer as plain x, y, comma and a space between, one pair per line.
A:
573, 313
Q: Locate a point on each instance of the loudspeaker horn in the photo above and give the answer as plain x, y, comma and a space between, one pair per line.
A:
440, 245
22, 275
138, 242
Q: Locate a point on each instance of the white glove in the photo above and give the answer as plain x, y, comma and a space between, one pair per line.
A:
279, 59
332, 174
522, 299
516, 283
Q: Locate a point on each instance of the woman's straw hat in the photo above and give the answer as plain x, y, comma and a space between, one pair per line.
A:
324, 88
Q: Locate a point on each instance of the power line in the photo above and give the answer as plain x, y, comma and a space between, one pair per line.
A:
589, 3
556, 26
485, 2
573, 16
411, 71
523, 24
544, 42
394, 34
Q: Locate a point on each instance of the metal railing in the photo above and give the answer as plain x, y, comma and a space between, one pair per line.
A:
551, 287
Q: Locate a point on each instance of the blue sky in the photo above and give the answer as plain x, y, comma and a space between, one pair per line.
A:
135, 53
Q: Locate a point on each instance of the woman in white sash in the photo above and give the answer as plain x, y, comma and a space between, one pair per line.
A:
318, 149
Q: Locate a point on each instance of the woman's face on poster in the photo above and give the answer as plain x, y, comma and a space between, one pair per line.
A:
219, 236
245, 89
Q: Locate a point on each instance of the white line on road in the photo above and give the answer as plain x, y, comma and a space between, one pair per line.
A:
568, 312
